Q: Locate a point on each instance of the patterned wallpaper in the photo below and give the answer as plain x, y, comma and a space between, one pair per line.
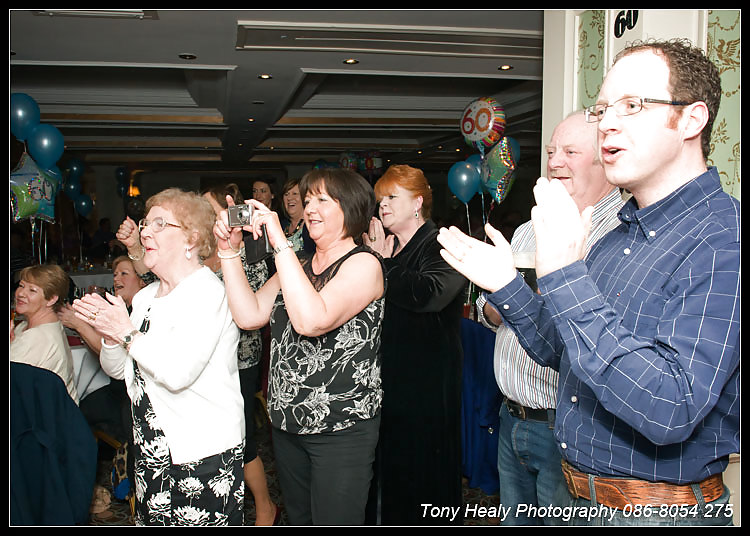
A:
724, 50
724, 44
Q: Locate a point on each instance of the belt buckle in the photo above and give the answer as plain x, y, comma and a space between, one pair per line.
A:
568, 474
517, 410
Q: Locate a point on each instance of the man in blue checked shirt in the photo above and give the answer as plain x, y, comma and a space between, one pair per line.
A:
645, 332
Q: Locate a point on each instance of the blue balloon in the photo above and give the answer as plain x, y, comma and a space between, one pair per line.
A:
46, 145
464, 180
476, 159
24, 115
72, 188
83, 205
122, 189
75, 169
515, 148
121, 174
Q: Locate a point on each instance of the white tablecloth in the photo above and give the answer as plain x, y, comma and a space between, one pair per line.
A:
100, 278
87, 371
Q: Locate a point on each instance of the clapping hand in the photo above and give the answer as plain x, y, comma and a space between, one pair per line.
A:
376, 239
561, 230
488, 266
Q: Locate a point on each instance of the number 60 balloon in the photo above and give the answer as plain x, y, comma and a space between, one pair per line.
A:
483, 123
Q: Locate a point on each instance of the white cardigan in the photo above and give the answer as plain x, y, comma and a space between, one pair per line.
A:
188, 359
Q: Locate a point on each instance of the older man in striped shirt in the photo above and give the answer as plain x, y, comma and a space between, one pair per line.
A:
528, 457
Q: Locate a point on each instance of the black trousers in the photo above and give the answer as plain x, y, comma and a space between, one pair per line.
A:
325, 478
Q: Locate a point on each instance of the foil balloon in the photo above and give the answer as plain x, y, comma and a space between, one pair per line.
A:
32, 191
498, 168
348, 160
483, 123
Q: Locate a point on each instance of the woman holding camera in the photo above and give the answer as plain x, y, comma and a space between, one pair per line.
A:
325, 311
177, 352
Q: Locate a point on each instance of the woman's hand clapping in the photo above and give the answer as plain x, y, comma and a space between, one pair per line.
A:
107, 315
376, 239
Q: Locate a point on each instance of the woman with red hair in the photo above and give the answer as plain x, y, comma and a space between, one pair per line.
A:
420, 438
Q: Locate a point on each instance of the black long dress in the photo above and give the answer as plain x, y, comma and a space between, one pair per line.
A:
420, 436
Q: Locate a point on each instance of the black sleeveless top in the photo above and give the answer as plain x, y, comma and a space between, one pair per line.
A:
330, 382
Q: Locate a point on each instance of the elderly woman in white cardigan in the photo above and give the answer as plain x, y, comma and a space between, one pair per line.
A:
177, 352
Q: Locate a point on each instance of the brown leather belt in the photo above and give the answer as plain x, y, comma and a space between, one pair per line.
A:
619, 492
522, 412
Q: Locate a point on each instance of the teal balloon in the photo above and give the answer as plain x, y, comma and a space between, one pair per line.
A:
75, 169
83, 205
463, 180
46, 145
24, 115
476, 161
121, 174
122, 189
72, 188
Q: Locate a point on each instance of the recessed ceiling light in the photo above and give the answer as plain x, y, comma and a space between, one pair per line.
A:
351, 61
265, 76
505, 68
187, 56
250, 120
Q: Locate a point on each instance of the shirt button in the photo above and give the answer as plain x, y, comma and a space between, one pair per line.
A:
627, 251
506, 306
574, 399
652, 233
563, 445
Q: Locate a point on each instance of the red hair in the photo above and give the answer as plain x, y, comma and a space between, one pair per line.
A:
408, 178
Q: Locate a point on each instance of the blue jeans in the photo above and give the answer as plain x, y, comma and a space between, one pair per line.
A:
528, 463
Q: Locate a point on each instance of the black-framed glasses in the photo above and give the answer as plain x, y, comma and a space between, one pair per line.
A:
157, 224
624, 106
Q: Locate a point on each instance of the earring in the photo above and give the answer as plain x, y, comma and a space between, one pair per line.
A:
188, 255
416, 215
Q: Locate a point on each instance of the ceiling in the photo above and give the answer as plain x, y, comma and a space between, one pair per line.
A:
117, 86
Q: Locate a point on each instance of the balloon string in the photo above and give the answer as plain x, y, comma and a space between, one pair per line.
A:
468, 221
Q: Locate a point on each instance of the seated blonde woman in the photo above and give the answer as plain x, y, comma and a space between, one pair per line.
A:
39, 339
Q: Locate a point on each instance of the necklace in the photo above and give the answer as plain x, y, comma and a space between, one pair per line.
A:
296, 228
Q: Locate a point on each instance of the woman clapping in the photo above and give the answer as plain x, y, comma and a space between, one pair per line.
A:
177, 352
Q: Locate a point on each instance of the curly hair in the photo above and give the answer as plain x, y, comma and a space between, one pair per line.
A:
193, 213
692, 76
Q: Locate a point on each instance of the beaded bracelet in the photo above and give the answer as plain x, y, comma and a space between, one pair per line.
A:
232, 256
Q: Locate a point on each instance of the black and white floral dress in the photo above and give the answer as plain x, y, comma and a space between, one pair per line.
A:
207, 492
326, 383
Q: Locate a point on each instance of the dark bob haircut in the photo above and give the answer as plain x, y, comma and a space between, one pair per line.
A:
349, 189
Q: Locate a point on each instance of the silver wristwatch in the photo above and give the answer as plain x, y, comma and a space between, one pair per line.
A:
278, 249
127, 339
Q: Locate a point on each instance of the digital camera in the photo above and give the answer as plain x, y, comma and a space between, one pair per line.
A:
240, 215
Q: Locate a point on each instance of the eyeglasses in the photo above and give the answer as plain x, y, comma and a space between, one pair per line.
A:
624, 106
157, 224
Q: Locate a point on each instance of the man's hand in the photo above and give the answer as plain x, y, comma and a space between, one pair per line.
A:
489, 266
561, 230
